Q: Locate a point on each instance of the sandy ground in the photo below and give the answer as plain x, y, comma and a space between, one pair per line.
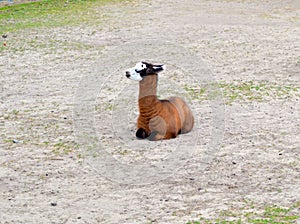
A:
46, 175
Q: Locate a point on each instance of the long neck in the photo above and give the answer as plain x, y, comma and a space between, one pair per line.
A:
148, 86
147, 91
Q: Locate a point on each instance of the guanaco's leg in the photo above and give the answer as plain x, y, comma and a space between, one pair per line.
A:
141, 133
158, 128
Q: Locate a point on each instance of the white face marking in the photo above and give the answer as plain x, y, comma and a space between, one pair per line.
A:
133, 74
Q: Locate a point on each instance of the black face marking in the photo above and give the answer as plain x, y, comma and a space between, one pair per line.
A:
141, 72
148, 69
145, 69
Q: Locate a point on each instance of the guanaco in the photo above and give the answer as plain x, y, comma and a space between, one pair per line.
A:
158, 119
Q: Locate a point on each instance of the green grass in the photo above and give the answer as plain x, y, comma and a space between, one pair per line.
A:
49, 13
62, 148
240, 91
270, 215
15, 112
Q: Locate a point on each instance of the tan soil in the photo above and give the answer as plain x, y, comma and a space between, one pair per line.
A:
44, 177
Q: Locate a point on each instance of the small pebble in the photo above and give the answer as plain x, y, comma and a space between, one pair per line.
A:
53, 204
15, 141
4, 36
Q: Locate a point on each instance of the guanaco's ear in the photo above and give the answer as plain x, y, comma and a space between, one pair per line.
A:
158, 68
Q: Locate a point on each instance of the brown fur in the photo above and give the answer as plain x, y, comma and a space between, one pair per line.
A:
161, 119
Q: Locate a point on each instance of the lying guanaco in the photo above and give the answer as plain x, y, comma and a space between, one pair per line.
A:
158, 119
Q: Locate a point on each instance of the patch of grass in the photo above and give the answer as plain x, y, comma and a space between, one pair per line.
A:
15, 112
207, 92
49, 13
109, 107
270, 215
62, 148
8, 141
243, 91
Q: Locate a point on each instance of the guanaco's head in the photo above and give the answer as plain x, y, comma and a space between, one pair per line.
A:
142, 69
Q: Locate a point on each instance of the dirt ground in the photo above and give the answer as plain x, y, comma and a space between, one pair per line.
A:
45, 174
